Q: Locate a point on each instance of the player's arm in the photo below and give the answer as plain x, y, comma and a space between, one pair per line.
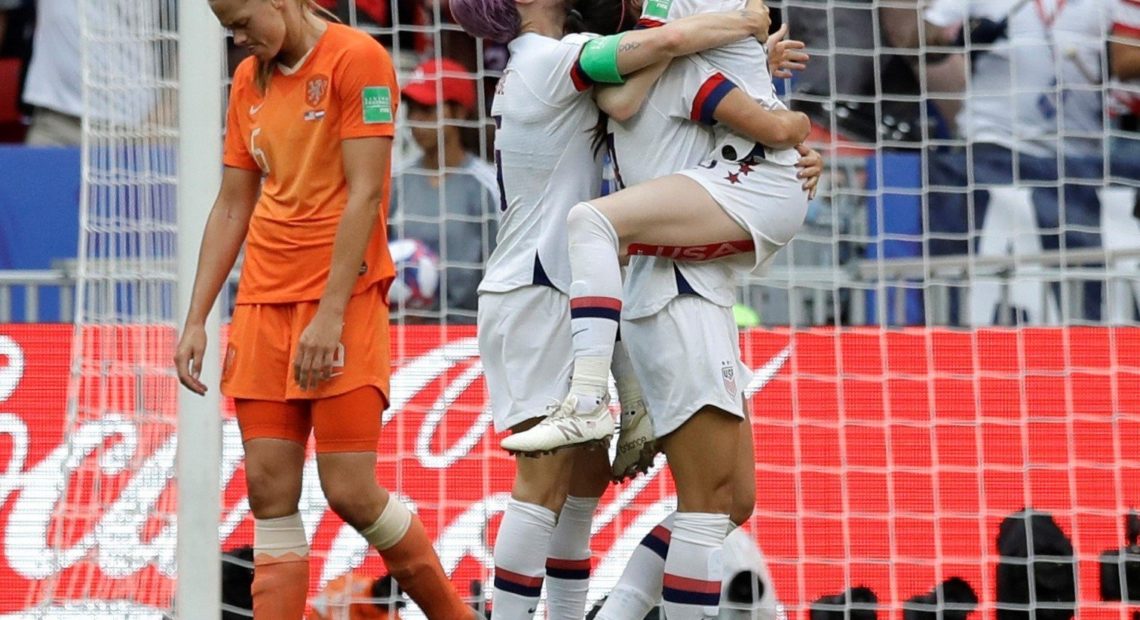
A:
366, 162
777, 129
1126, 57
622, 101
608, 59
225, 232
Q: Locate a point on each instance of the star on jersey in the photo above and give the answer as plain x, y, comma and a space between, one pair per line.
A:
732, 178
745, 169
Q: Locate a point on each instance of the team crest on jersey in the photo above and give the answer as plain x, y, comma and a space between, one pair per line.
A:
315, 90
728, 374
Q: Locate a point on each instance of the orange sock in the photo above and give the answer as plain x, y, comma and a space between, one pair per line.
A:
280, 568
279, 587
400, 538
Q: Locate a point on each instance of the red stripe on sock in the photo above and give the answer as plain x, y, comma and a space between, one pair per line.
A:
691, 585
608, 303
568, 564
516, 578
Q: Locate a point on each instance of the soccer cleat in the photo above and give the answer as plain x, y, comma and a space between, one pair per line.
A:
636, 444
563, 428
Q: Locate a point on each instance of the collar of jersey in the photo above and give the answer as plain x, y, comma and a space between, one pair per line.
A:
301, 63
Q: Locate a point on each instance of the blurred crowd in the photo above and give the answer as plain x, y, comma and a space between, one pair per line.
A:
989, 92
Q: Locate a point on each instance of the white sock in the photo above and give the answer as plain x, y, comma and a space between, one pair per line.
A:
390, 526
628, 388
568, 560
639, 588
280, 538
520, 558
595, 296
693, 567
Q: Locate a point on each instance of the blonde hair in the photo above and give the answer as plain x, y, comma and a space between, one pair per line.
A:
265, 69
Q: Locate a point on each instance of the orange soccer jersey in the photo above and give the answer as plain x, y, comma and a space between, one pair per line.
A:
345, 88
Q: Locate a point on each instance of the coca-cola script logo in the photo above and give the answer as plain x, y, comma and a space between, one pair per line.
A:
92, 510
977, 420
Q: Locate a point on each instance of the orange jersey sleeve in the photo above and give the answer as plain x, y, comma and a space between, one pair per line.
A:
236, 152
368, 93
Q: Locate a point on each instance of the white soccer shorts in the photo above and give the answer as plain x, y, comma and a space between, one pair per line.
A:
687, 356
525, 347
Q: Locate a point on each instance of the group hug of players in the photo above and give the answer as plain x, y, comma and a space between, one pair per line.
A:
712, 179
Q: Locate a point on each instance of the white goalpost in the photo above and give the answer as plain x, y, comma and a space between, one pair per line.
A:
201, 111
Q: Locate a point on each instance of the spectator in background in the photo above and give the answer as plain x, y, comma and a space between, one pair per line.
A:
54, 84
1124, 53
372, 14
1125, 48
447, 197
1035, 83
5, 7
1032, 115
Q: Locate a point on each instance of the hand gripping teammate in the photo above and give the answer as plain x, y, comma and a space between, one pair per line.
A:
305, 186
546, 164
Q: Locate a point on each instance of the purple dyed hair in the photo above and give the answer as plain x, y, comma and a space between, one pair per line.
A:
497, 20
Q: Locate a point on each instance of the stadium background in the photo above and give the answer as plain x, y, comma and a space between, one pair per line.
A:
911, 392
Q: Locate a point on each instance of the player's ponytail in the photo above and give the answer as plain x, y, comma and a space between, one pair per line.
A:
265, 69
320, 11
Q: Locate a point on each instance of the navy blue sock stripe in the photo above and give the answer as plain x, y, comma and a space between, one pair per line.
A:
595, 313
568, 573
687, 597
518, 588
656, 545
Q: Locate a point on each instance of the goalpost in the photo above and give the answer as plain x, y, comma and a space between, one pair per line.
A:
906, 399
199, 461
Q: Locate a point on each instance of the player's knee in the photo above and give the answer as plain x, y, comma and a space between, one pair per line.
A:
270, 494
713, 494
547, 492
356, 507
585, 222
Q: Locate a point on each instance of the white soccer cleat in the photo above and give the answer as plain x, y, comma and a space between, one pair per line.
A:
636, 444
563, 428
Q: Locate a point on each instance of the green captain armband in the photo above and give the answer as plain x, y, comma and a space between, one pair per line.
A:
598, 59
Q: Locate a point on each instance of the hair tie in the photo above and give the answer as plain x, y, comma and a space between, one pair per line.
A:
574, 14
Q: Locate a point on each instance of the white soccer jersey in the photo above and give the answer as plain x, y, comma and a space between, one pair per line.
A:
743, 62
546, 164
684, 95
1042, 84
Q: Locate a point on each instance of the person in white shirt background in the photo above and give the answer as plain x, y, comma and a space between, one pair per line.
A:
1033, 112
54, 84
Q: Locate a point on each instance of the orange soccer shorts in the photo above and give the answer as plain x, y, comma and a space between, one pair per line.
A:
344, 410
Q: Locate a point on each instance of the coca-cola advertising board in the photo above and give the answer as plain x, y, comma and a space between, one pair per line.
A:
883, 458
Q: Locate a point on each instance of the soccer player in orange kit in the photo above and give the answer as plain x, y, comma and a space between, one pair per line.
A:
305, 186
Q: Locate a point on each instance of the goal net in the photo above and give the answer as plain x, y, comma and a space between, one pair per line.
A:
944, 345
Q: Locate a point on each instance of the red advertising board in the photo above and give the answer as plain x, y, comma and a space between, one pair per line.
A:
883, 458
